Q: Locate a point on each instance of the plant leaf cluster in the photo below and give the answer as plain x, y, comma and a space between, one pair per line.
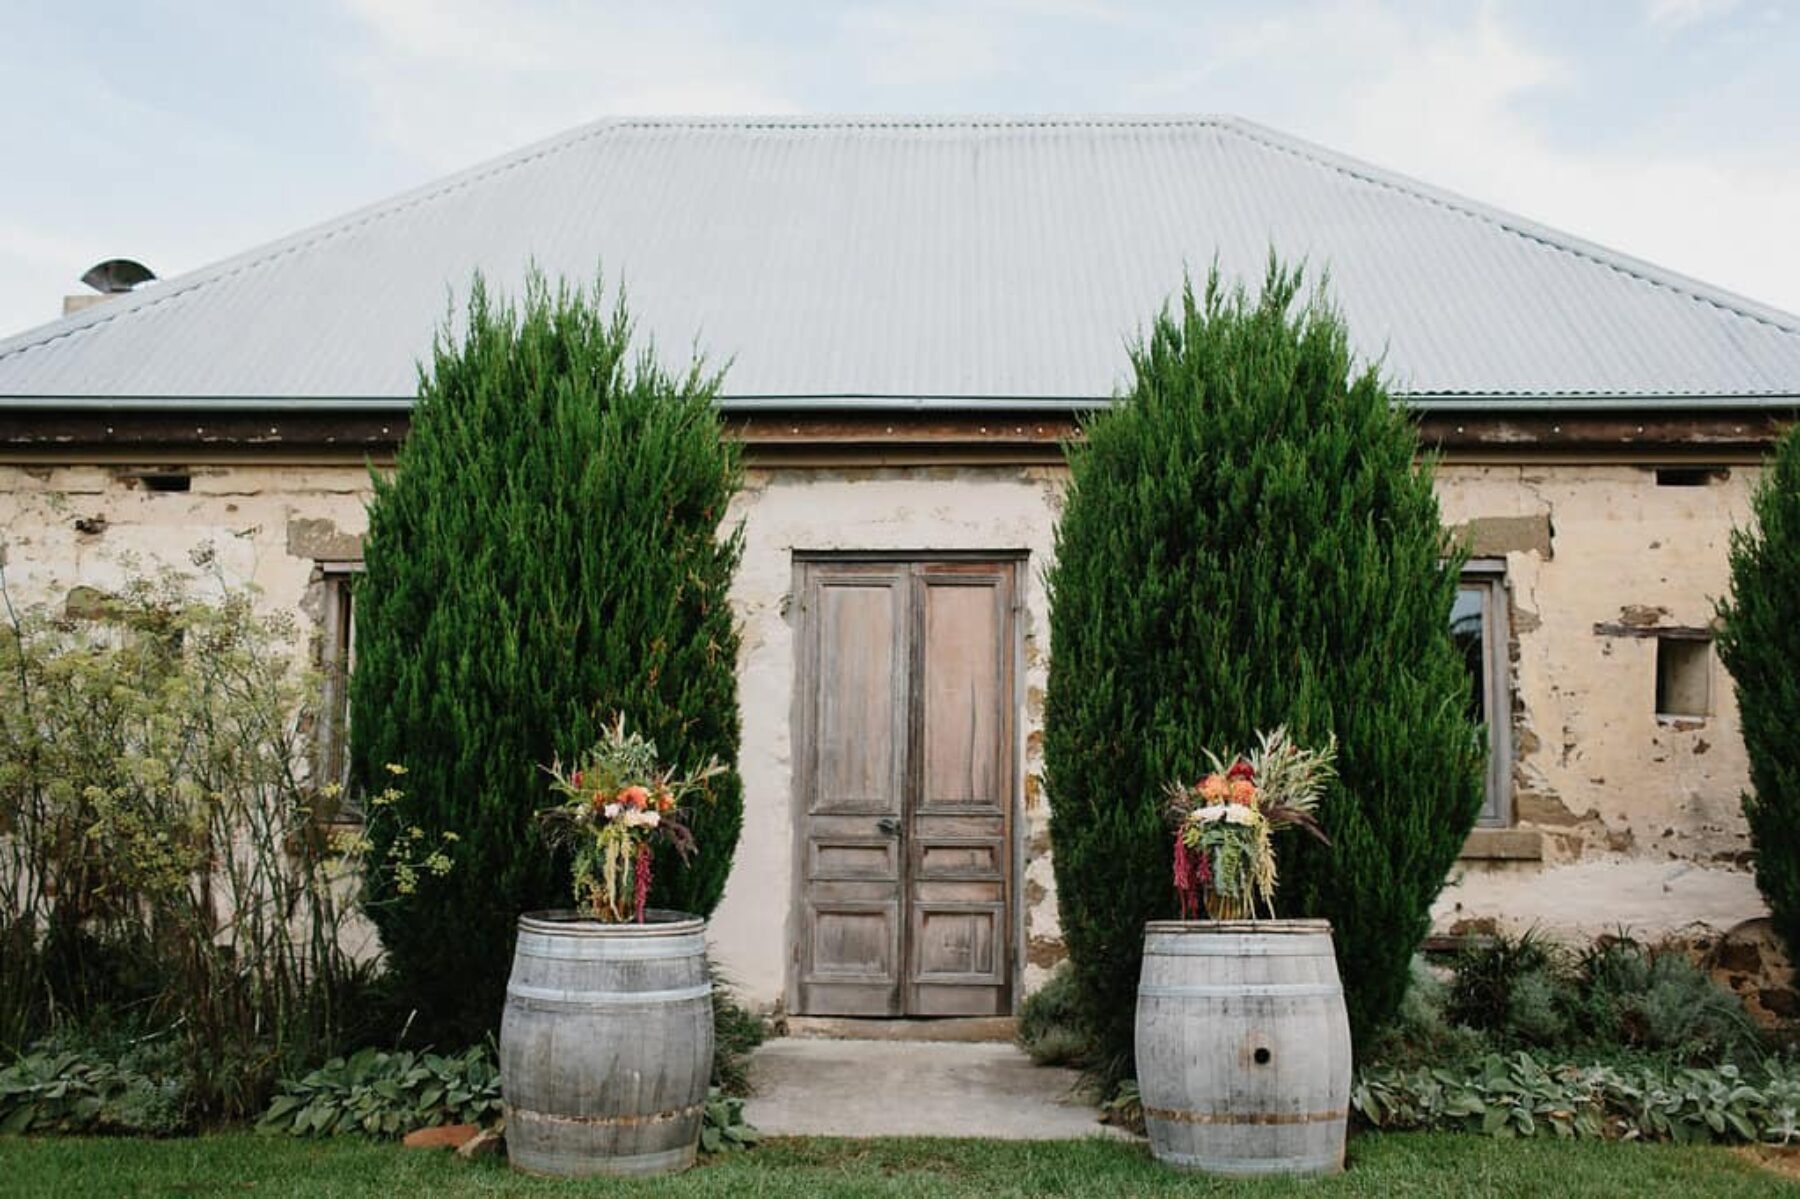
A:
1523, 1095
388, 1094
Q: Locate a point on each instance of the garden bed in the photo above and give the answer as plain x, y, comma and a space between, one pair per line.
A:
1380, 1164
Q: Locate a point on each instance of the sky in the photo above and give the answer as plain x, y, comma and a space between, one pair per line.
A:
178, 133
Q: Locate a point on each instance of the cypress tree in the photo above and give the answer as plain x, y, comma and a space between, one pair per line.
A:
1247, 541
1759, 641
547, 552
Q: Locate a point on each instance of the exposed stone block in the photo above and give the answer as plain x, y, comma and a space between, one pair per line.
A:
1505, 844
1497, 536
321, 541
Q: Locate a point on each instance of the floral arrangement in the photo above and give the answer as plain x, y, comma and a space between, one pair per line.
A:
617, 803
1225, 823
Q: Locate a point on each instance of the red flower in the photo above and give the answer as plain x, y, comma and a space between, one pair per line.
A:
1241, 769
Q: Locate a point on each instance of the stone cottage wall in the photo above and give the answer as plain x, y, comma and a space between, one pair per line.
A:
1621, 819
1634, 819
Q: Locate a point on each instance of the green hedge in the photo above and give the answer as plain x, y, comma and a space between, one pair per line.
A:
548, 551
1248, 542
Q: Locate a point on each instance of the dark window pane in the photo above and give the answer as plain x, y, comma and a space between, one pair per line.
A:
1467, 628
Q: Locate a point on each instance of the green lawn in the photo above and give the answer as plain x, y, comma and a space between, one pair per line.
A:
1381, 1165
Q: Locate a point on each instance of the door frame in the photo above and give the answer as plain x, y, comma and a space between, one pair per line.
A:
799, 725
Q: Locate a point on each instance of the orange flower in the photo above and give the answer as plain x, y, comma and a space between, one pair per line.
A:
599, 801
1213, 787
1243, 791
665, 802
634, 797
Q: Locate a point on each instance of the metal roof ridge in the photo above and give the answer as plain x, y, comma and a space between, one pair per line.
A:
1515, 224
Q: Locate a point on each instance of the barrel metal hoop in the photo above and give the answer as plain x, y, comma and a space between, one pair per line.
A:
1173, 1116
593, 999
1243, 947
1246, 991
673, 1114
545, 947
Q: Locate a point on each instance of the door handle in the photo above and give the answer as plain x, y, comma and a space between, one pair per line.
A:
888, 825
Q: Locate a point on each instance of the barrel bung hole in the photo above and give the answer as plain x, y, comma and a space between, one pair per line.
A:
1261, 1055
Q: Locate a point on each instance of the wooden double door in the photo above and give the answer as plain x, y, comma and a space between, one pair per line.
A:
905, 778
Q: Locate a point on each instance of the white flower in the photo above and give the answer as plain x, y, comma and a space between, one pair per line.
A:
612, 811
1240, 814
1212, 814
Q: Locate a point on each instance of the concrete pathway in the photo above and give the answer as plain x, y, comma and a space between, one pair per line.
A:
808, 1087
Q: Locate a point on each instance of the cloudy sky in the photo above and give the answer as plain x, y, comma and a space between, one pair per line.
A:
179, 132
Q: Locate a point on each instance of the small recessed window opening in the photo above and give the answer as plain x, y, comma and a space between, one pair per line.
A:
1688, 476
1683, 677
168, 482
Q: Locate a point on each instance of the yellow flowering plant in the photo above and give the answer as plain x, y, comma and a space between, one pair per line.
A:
1224, 824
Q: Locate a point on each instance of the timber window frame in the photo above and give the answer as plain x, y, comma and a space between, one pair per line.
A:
336, 659
1483, 585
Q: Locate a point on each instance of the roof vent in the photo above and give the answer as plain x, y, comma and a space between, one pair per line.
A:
117, 275
114, 277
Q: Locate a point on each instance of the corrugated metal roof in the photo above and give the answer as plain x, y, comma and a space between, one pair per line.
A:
898, 262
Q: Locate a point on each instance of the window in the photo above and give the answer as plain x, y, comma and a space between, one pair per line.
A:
1683, 677
1690, 476
337, 655
1479, 626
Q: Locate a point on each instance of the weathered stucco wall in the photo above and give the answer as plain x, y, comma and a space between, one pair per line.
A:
1621, 819
94, 526
1638, 816
974, 508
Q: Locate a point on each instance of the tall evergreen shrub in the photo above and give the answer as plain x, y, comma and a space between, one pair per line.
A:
547, 552
1759, 642
1247, 542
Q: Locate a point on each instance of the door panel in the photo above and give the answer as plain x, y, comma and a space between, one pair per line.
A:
959, 831
860, 644
853, 769
906, 776
961, 681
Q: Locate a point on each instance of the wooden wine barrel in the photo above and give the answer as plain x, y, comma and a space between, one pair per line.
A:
606, 1044
1243, 1046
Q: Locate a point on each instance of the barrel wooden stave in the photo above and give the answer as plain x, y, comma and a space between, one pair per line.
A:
1243, 1047
606, 1046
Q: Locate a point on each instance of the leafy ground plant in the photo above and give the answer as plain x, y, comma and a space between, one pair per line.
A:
1523, 1096
55, 1089
725, 1128
388, 1094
